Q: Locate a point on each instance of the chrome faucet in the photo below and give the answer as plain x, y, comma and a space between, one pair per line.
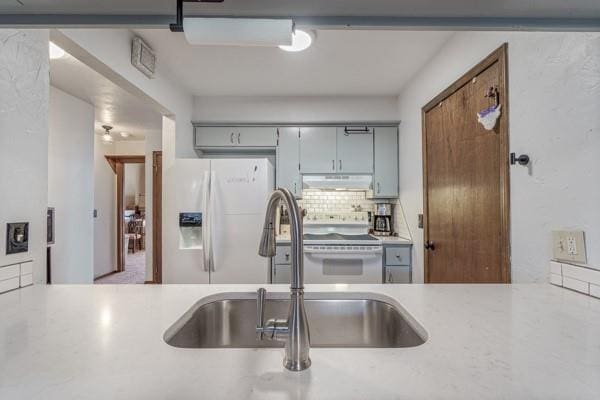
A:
293, 331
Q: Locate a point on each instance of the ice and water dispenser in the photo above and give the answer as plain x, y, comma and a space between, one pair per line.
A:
190, 230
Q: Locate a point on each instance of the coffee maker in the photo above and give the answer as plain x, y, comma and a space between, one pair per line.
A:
382, 223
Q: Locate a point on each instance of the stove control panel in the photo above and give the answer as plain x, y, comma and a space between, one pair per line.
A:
343, 249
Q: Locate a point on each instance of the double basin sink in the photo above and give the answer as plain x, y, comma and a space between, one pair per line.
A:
359, 320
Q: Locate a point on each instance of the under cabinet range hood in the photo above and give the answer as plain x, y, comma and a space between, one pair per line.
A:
337, 182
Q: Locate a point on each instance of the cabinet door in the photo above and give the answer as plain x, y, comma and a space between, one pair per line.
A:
354, 150
397, 275
256, 136
385, 177
215, 136
288, 160
281, 273
318, 150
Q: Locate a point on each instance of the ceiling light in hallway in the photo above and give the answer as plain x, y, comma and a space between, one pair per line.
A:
107, 137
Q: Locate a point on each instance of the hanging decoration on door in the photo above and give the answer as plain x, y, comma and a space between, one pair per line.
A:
489, 116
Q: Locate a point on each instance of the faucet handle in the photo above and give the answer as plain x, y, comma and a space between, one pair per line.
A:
260, 312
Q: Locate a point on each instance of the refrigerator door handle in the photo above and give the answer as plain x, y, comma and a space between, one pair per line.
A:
211, 261
205, 200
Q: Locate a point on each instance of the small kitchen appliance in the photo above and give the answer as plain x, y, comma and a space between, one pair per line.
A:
382, 223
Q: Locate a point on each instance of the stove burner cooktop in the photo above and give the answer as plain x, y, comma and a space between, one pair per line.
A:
339, 237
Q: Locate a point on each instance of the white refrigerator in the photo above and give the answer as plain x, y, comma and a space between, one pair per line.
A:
232, 196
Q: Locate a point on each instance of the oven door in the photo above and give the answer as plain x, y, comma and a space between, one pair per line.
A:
332, 267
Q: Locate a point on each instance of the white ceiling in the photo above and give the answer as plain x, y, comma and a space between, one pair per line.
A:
405, 8
340, 63
113, 105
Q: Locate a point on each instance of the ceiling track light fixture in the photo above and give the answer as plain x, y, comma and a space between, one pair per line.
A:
178, 25
232, 31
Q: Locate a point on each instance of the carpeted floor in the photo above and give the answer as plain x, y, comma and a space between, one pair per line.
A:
135, 270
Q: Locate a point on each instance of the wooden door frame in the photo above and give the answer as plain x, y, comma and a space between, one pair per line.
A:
156, 217
117, 163
499, 55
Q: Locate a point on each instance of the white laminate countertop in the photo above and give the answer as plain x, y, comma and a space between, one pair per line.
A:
485, 342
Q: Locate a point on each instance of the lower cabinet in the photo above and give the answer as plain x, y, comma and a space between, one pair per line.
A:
397, 263
281, 273
281, 268
15, 276
397, 274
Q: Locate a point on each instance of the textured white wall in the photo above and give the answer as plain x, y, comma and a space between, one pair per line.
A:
71, 187
554, 82
24, 86
105, 229
295, 109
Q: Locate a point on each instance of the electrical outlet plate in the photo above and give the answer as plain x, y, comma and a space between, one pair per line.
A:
569, 246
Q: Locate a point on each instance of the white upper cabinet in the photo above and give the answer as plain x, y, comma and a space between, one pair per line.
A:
246, 136
355, 150
385, 176
288, 160
318, 150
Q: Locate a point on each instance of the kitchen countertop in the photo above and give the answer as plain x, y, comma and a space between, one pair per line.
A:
485, 342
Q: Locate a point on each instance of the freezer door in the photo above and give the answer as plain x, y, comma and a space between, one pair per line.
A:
183, 256
239, 192
241, 186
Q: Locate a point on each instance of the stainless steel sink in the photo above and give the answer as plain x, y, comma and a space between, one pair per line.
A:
341, 319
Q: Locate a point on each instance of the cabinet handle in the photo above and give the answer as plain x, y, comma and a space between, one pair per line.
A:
239, 134
340, 165
287, 256
378, 187
390, 279
333, 165
231, 137
294, 187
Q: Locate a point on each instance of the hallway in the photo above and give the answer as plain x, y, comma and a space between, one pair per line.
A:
135, 270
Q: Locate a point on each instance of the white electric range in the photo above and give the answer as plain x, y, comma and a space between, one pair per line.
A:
339, 249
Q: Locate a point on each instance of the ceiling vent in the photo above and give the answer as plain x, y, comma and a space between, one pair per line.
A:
143, 57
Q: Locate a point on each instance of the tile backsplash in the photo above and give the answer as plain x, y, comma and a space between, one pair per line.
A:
347, 201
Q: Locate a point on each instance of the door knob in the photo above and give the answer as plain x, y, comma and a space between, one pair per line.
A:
429, 245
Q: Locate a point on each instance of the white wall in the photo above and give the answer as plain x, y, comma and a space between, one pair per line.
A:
134, 181
108, 51
24, 86
71, 187
295, 109
130, 147
554, 83
105, 228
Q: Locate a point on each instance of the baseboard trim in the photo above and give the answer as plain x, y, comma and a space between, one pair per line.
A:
104, 275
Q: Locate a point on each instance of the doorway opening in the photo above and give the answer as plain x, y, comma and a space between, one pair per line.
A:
132, 240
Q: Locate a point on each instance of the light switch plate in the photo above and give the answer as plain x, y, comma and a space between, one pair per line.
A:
569, 246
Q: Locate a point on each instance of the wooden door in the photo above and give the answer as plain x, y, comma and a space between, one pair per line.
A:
466, 181
157, 216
